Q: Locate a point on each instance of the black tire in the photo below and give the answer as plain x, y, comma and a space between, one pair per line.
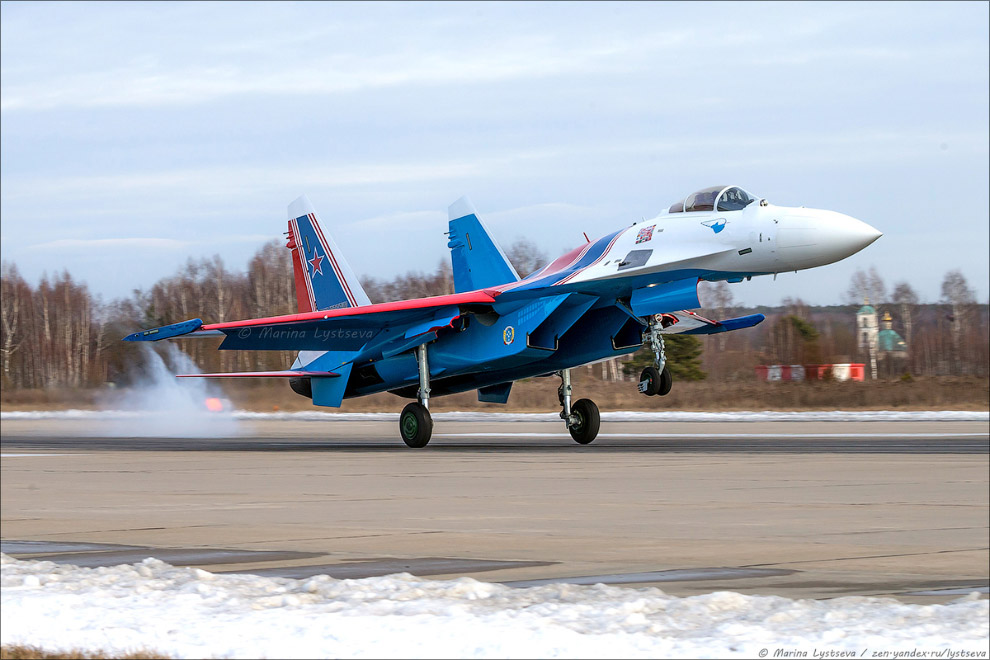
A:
666, 382
589, 421
651, 377
415, 425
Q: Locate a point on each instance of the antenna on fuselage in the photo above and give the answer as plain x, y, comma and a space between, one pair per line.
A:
586, 236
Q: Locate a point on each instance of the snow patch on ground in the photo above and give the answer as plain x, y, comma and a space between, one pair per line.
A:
191, 613
616, 416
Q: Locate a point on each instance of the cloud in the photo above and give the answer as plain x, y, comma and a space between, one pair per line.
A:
225, 180
544, 212
142, 243
405, 219
150, 83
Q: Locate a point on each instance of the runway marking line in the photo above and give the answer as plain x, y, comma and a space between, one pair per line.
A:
719, 435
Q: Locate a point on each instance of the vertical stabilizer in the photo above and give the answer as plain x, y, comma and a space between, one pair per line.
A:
476, 259
324, 279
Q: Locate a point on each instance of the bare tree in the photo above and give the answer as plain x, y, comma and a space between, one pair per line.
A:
906, 298
956, 290
716, 296
270, 292
960, 297
526, 257
411, 285
865, 286
12, 303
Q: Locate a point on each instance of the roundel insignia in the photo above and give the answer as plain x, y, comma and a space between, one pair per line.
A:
508, 335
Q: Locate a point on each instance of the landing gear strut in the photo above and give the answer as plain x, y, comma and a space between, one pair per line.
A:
581, 419
415, 422
657, 379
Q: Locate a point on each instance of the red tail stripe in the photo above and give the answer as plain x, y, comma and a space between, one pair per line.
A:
298, 256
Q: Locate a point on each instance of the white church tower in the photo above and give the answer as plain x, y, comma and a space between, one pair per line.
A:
867, 330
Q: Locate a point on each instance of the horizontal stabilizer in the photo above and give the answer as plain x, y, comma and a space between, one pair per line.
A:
742, 322
289, 373
166, 331
686, 322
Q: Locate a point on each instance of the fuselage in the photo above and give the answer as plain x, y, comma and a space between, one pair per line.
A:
759, 239
576, 309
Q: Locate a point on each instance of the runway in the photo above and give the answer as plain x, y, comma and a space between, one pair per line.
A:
454, 435
798, 509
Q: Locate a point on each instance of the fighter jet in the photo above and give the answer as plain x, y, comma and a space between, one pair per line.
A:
605, 298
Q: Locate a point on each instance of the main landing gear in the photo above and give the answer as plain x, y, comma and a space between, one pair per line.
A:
415, 422
581, 419
657, 379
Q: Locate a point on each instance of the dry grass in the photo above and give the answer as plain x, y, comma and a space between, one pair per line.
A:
540, 395
17, 652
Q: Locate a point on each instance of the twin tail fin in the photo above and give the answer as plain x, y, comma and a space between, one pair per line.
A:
324, 280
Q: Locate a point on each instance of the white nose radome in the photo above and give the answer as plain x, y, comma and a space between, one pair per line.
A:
811, 237
844, 235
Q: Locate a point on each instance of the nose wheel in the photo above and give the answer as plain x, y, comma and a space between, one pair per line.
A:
582, 419
655, 380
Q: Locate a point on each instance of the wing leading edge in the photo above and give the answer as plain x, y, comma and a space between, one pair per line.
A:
347, 329
288, 373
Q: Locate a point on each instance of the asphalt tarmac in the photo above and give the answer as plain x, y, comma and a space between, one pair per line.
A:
798, 509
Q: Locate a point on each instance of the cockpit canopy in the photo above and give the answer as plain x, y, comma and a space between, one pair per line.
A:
723, 198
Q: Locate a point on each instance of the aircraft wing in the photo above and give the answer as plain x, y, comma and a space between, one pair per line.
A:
352, 329
686, 322
286, 373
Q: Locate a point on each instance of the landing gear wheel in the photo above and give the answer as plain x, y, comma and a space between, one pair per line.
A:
585, 427
666, 381
415, 425
649, 381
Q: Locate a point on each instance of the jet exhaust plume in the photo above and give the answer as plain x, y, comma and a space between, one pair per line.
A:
159, 405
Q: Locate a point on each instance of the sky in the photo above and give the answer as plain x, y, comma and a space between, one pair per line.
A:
134, 136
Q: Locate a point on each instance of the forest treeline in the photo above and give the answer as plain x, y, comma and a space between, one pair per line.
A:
57, 334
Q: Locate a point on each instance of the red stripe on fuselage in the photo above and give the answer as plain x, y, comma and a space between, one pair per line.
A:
560, 263
596, 261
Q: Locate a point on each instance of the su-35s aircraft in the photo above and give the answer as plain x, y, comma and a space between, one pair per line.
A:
606, 298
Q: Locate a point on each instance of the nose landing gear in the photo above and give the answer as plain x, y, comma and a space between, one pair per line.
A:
657, 379
582, 419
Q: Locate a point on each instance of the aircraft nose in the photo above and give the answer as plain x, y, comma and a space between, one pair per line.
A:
848, 235
813, 237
